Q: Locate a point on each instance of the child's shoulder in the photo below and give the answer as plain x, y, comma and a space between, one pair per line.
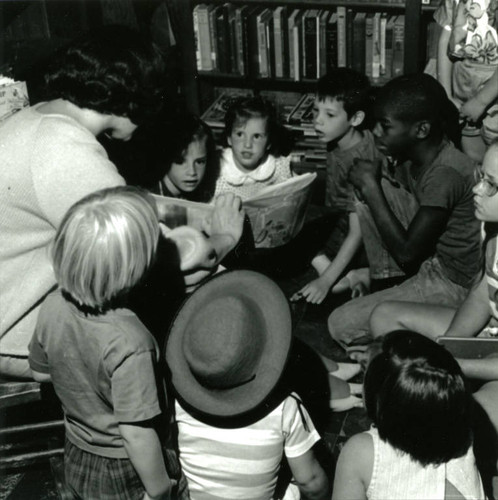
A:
358, 454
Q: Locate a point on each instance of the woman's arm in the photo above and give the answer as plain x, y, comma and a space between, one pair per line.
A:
310, 476
144, 450
474, 313
316, 291
480, 369
354, 469
475, 107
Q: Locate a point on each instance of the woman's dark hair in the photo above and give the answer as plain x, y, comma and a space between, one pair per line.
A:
416, 396
112, 70
244, 108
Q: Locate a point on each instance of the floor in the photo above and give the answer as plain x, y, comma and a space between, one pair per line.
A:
37, 482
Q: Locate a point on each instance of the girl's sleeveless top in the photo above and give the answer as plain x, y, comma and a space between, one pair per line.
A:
396, 476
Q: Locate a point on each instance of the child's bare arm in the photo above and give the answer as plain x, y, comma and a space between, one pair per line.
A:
480, 369
474, 313
444, 64
475, 107
316, 291
144, 450
354, 469
310, 476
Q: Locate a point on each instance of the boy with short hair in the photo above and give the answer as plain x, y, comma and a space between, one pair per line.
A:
341, 107
441, 244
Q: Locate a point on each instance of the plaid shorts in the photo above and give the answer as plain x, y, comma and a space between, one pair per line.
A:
94, 477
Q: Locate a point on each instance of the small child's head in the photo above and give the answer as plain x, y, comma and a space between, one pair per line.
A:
417, 398
409, 110
105, 245
486, 188
250, 124
113, 70
341, 103
190, 156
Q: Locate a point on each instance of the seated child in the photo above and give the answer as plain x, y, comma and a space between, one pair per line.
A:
99, 356
341, 108
440, 247
226, 351
251, 161
420, 444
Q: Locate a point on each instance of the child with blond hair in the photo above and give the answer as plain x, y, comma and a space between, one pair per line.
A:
99, 356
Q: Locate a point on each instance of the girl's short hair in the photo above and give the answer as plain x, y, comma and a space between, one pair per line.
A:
416, 396
244, 108
112, 70
105, 245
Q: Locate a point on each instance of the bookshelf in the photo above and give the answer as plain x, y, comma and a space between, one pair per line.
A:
199, 85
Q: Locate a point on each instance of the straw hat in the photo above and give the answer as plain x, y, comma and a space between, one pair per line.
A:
229, 344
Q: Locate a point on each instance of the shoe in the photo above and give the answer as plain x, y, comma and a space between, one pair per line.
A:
345, 404
346, 371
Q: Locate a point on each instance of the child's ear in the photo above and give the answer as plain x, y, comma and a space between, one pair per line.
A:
357, 119
423, 129
229, 140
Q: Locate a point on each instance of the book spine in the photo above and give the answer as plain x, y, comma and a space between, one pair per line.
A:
368, 45
359, 43
262, 57
232, 42
376, 46
270, 45
349, 37
322, 36
310, 36
214, 39
389, 46
253, 42
290, 43
341, 37
297, 53
278, 42
399, 46
331, 41
195, 21
285, 43
383, 26
223, 49
204, 39
239, 35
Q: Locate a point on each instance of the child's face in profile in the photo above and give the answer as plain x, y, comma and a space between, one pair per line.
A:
187, 176
485, 202
330, 120
393, 137
250, 142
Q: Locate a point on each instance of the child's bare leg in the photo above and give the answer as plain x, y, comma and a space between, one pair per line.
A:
320, 262
426, 319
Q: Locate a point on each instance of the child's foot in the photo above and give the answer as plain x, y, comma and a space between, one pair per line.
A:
346, 371
320, 263
345, 404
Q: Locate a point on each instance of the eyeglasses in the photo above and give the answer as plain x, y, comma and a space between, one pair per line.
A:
488, 188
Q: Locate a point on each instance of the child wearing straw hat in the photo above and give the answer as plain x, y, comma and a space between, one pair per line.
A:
227, 350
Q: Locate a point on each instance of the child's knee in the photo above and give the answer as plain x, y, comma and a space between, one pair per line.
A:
382, 320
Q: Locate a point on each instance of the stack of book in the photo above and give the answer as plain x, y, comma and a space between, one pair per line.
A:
296, 44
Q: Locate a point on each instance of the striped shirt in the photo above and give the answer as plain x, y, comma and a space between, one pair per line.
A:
492, 274
242, 463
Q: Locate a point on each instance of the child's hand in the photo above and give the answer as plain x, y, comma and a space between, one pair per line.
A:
472, 110
314, 292
364, 173
228, 217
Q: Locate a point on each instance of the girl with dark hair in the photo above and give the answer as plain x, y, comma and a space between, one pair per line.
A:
420, 444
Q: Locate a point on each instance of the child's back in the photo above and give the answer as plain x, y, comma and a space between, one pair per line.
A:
226, 351
420, 444
242, 462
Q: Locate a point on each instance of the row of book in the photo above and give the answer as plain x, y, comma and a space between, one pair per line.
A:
296, 44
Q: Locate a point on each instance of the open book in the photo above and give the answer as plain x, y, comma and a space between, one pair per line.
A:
276, 214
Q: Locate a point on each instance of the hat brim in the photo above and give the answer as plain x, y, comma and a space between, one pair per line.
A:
274, 315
